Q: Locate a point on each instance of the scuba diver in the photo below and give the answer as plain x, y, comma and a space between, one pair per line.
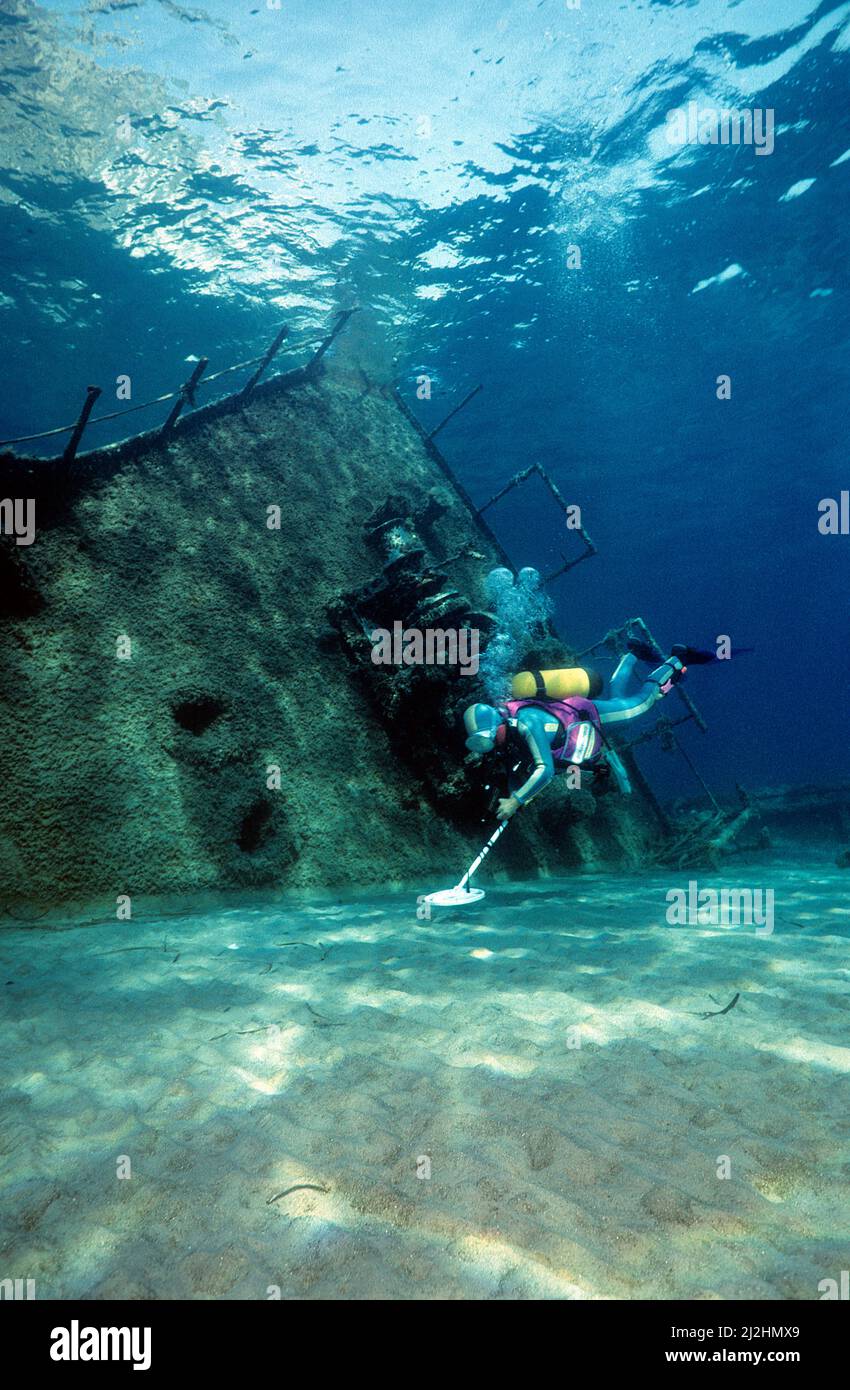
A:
559, 720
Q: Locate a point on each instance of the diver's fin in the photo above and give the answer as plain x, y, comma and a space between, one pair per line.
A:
643, 651
693, 656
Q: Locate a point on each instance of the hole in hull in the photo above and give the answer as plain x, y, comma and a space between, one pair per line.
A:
254, 829
19, 598
197, 714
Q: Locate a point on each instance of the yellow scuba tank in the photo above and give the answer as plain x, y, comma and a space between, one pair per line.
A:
556, 685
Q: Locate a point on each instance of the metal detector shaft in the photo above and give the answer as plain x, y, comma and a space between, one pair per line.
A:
476, 863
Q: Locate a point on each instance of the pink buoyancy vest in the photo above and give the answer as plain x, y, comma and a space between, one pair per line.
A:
579, 718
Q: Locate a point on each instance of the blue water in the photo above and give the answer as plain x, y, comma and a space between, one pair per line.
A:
179, 179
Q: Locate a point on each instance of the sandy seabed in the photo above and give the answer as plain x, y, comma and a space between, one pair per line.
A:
544, 1057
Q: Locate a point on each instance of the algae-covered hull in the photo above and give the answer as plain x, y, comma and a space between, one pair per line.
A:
179, 711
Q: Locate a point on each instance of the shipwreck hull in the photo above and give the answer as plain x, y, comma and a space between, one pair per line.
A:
165, 651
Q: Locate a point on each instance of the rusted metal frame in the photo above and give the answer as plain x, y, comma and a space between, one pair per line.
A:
523, 476
92, 393
697, 774
682, 694
270, 353
661, 726
342, 319
186, 394
452, 413
442, 463
627, 627
664, 724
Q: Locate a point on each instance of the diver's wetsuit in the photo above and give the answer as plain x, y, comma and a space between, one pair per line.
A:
532, 721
